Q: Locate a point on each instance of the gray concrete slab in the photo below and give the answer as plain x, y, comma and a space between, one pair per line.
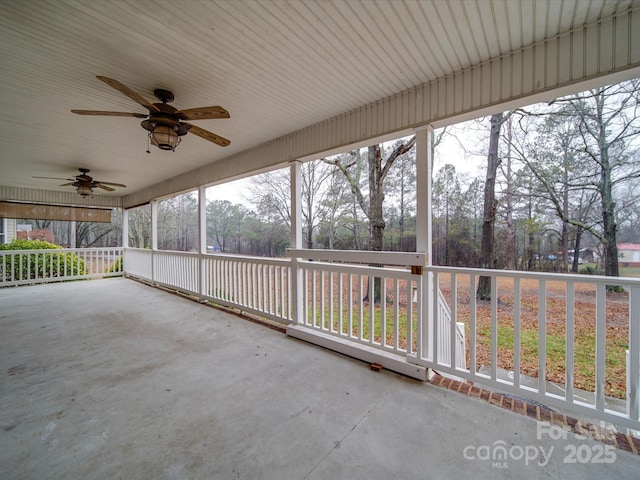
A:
114, 379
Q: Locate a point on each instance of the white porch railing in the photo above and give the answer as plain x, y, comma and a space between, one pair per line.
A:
444, 338
176, 270
179, 270
27, 267
339, 300
327, 293
261, 286
139, 263
445, 345
558, 322
257, 285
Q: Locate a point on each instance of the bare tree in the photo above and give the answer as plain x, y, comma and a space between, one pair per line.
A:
140, 226
378, 168
272, 191
315, 176
487, 259
403, 189
335, 208
607, 123
178, 222
225, 222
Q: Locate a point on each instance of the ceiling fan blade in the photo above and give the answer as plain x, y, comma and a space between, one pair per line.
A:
97, 183
129, 93
204, 113
56, 178
207, 135
67, 184
104, 187
111, 114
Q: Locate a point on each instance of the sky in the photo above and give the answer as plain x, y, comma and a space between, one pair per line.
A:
235, 192
449, 151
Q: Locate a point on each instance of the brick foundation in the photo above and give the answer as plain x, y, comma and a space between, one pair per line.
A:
622, 441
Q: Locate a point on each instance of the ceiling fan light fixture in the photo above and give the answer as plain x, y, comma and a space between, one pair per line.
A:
164, 137
85, 190
164, 132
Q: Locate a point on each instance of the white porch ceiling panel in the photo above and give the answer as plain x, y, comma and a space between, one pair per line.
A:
296, 76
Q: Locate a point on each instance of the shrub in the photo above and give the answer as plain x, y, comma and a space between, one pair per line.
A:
590, 270
39, 265
117, 265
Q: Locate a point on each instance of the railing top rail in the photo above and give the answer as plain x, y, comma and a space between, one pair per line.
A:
58, 250
248, 258
173, 252
388, 272
562, 277
360, 256
221, 256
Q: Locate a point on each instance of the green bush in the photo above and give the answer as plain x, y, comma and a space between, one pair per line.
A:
117, 265
590, 270
40, 265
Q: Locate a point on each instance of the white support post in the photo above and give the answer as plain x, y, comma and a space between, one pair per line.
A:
72, 234
125, 228
633, 355
125, 238
296, 240
202, 240
424, 200
154, 238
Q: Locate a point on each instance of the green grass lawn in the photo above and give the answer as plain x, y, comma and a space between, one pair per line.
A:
584, 356
630, 271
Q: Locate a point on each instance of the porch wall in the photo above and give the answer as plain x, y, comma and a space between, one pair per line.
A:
541, 71
34, 195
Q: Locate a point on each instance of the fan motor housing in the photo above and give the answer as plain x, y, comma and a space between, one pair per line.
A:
165, 96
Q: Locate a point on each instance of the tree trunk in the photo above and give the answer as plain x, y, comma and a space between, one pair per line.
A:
376, 219
401, 219
609, 229
357, 244
576, 250
376, 199
564, 236
309, 239
511, 253
308, 199
489, 211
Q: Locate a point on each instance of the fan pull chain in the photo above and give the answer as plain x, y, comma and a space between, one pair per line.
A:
148, 145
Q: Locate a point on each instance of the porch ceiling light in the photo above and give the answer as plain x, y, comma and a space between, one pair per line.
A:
164, 132
85, 190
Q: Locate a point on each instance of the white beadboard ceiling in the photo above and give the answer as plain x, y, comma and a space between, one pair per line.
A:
276, 66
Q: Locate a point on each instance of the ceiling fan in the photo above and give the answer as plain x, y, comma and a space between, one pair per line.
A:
164, 122
85, 184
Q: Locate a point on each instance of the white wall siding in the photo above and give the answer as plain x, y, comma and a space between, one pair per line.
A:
33, 195
10, 233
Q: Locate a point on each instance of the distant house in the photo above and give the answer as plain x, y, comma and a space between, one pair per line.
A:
587, 254
7, 230
629, 254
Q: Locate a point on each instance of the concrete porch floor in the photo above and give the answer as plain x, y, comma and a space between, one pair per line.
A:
115, 379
